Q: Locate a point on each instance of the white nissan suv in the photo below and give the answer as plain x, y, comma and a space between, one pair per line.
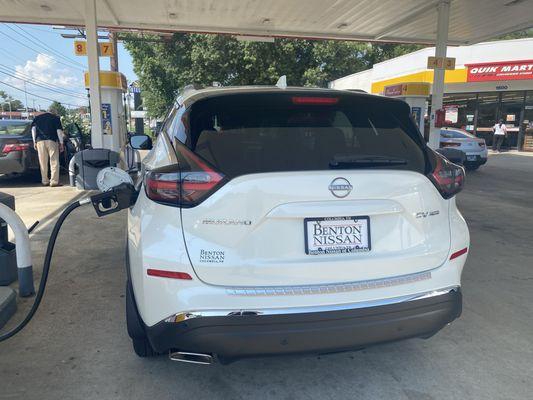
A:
284, 221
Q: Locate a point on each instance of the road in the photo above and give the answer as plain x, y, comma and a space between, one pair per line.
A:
77, 346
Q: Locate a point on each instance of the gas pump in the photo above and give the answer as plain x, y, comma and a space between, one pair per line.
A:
114, 132
109, 142
415, 94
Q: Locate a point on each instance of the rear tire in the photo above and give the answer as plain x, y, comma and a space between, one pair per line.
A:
141, 344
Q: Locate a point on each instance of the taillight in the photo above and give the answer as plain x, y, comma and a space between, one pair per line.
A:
184, 185
447, 177
198, 185
163, 186
8, 148
450, 144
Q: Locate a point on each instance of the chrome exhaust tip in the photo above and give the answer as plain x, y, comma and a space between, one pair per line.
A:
193, 358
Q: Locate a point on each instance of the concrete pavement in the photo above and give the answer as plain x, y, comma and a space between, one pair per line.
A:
77, 346
35, 202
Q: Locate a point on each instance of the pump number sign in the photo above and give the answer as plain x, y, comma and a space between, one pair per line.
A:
105, 48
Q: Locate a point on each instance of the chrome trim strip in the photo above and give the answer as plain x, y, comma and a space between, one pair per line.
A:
328, 288
180, 317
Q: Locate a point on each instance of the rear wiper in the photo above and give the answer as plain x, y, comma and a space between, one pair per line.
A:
339, 162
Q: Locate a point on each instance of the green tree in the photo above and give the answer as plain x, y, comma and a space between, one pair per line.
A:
58, 109
9, 102
517, 35
72, 118
166, 66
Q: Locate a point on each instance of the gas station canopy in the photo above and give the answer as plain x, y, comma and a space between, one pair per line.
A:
412, 21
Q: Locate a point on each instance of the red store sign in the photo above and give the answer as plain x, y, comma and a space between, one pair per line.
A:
500, 71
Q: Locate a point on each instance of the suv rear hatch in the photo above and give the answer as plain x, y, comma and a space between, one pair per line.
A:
310, 189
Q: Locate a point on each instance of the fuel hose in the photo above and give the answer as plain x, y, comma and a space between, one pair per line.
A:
46, 269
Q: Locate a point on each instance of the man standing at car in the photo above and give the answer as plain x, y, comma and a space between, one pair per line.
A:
48, 136
500, 131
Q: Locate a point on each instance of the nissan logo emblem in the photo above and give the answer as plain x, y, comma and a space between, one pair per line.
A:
340, 187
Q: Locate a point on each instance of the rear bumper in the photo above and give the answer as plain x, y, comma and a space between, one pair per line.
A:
350, 328
475, 159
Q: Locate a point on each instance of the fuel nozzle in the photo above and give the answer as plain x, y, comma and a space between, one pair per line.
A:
115, 199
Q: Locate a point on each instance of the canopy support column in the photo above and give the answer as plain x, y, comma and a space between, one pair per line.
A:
91, 29
443, 22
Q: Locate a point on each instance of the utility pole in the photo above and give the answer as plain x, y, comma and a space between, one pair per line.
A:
113, 60
26, 94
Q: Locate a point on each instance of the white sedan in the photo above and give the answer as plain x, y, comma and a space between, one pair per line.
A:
474, 148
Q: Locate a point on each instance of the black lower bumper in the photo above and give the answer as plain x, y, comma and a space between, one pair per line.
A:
233, 337
475, 162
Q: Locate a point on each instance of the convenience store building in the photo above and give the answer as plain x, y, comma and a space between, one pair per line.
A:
491, 81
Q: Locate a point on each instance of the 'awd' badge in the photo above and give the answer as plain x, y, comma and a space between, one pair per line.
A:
425, 214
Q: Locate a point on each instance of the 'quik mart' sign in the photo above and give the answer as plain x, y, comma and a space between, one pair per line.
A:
500, 71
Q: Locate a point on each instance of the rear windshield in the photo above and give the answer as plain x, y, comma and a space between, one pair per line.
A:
255, 133
13, 128
449, 134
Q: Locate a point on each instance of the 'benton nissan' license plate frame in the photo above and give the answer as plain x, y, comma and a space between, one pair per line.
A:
337, 235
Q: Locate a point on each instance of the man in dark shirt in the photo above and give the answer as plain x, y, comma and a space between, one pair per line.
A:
48, 137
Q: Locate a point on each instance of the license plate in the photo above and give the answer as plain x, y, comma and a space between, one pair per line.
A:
471, 158
332, 235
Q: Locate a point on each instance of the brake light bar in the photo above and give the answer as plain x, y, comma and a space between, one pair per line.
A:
315, 100
8, 148
168, 274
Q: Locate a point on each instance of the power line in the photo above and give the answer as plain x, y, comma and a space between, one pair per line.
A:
33, 28
13, 57
40, 44
44, 87
36, 95
54, 51
39, 52
31, 79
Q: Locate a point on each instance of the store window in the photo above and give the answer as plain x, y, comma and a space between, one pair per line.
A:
460, 110
487, 115
510, 109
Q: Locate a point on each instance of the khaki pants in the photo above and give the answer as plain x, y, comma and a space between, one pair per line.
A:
49, 150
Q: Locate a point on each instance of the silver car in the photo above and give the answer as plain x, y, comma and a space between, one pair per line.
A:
475, 148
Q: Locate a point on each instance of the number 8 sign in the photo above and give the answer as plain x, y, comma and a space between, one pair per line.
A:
80, 48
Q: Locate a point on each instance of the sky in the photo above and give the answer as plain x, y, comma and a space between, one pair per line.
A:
38, 57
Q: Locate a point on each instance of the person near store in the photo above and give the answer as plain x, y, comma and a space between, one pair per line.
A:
500, 132
48, 137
